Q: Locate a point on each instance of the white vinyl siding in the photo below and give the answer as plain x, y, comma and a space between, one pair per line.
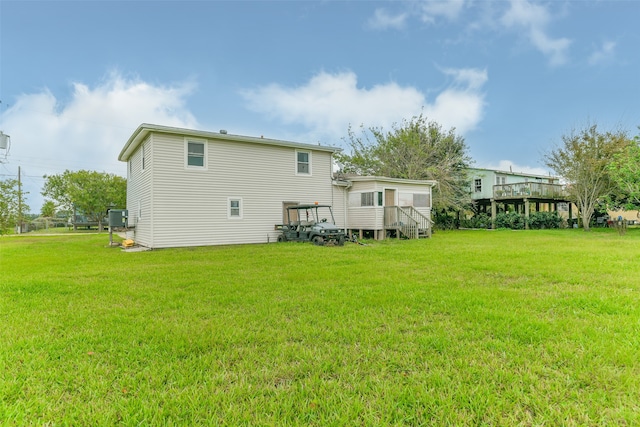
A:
139, 194
191, 205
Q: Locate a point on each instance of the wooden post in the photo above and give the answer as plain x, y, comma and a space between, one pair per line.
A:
493, 214
526, 214
570, 214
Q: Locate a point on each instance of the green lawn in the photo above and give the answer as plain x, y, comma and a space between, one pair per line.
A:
466, 328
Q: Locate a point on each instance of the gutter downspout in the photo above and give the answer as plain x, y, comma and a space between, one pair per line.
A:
346, 185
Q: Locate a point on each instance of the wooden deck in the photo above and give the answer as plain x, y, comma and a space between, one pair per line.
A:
530, 190
523, 196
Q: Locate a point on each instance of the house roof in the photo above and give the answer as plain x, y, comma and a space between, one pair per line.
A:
145, 129
362, 178
513, 173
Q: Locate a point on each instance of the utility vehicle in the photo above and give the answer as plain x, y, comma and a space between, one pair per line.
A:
311, 223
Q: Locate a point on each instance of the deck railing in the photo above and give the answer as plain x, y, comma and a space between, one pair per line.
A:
407, 220
529, 190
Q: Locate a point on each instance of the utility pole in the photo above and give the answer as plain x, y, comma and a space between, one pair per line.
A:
19, 202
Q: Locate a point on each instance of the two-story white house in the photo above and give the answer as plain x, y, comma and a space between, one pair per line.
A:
190, 187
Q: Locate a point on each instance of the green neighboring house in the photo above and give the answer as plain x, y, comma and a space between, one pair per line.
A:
496, 191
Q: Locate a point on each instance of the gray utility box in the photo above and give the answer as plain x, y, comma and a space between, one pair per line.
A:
118, 217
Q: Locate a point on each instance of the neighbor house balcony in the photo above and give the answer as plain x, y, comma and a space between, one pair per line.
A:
529, 190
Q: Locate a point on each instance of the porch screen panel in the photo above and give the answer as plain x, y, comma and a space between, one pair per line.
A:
420, 200
405, 199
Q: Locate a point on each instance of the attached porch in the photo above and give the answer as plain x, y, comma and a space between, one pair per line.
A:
400, 222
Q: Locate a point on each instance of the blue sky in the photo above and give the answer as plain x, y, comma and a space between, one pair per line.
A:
77, 77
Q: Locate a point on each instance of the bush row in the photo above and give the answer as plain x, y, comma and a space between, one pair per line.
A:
515, 221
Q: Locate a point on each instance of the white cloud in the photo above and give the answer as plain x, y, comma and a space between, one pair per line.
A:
383, 20
472, 78
432, 9
329, 103
425, 10
89, 130
534, 18
603, 54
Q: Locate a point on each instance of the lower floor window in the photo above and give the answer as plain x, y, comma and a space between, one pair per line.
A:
235, 208
366, 199
420, 200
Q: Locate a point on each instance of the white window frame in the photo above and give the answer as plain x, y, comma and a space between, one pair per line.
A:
297, 163
186, 154
477, 184
368, 195
240, 208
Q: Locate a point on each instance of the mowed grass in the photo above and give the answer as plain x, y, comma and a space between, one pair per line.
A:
466, 328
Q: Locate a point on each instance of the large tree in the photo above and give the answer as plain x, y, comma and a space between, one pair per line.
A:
583, 161
90, 192
13, 208
416, 149
625, 172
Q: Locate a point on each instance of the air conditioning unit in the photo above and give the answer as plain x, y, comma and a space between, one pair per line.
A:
118, 217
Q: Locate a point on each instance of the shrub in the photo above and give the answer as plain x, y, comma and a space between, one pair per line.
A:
511, 220
443, 221
481, 220
542, 220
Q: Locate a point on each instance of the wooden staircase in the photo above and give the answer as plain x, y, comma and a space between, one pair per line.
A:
407, 222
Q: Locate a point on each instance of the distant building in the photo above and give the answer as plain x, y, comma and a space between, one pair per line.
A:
495, 190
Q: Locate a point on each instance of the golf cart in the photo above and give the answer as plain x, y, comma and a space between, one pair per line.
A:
311, 223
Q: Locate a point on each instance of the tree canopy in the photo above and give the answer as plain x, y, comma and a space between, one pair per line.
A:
91, 192
12, 205
584, 161
417, 149
625, 173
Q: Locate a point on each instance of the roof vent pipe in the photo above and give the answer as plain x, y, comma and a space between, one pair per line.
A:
223, 131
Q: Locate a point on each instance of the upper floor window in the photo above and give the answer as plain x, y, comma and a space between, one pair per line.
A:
303, 162
501, 180
196, 154
477, 184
